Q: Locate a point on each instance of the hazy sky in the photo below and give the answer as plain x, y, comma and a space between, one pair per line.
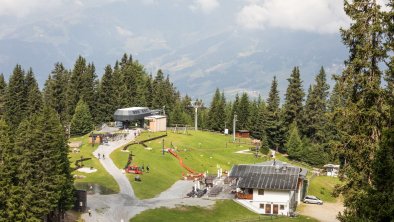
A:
237, 45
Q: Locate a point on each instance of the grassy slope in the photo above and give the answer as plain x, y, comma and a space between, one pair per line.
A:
100, 177
322, 187
226, 210
200, 151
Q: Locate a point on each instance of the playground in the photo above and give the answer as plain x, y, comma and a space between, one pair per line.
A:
176, 161
194, 153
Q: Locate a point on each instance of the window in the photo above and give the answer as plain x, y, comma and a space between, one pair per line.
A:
261, 192
282, 207
261, 206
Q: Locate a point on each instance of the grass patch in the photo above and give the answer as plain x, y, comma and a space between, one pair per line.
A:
101, 177
322, 187
225, 210
201, 151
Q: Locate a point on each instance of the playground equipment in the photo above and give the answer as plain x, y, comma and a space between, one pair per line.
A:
192, 174
133, 168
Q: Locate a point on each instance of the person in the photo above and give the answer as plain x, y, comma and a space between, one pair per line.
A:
147, 168
103, 157
90, 212
143, 168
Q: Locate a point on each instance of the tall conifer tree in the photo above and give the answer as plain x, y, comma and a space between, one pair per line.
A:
106, 97
294, 97
55, 91
3, 93
34, 96
16, 98
274, 132
362, 117
314, 117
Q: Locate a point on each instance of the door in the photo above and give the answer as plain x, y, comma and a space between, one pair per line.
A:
268, 208
275, 210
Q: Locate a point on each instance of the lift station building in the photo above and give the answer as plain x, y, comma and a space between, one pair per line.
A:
132, 115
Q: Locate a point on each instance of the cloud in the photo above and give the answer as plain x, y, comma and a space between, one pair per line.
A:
23, 8
205, 6
323, 16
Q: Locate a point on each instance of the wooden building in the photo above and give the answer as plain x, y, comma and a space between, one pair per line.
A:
242, 133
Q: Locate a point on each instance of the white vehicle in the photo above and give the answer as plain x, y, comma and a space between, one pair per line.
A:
312, 200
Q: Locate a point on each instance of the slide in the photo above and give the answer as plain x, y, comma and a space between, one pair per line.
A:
180, 161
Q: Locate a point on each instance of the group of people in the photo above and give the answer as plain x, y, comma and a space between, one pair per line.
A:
143, 168
102, 156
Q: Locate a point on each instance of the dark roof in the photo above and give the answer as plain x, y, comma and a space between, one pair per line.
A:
266, 177
243, 131
279, 163
131, 113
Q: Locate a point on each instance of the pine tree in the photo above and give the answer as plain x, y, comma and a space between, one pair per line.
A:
315, 117
55, 91
294, 97
82, 121
215, 113
3, 91
43, 170
118, 86
88, 90
106, 97
362, 117
16, 98
294, 144
253, 116
75, 84
5, 174
389, 47
34, 96
148, 91
243, 112
273, 128
158, 89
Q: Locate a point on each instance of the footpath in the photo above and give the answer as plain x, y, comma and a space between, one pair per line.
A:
123, 206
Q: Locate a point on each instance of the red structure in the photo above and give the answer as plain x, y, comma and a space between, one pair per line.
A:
193, 173
133, 169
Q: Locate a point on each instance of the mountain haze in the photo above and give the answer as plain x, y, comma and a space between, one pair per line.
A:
234, 45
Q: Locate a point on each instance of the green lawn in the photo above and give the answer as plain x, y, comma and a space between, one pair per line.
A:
225, 210
322, 187
201, 151
101, 178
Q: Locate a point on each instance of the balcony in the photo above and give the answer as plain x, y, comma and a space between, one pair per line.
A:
244, 196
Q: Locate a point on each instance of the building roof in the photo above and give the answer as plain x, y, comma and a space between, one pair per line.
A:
279, 163
331, 165
131, 113
155, 117
266, 177
243, 131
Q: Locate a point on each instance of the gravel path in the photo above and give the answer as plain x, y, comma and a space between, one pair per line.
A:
324, 213
124, 205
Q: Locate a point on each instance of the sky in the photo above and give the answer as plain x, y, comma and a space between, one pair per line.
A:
234, 45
